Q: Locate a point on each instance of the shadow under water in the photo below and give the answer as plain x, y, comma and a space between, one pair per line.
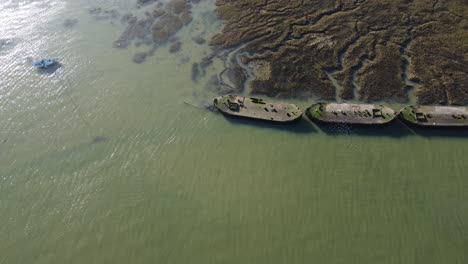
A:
50, 70
396, 129
300, 126
452, 132
99, 139
393, 129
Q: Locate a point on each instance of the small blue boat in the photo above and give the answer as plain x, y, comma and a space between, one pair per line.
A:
44, 63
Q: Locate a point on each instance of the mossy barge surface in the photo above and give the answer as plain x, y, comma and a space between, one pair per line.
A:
441, 116
353, 114
257, 108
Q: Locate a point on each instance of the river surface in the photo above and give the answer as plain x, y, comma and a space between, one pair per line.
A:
102, 161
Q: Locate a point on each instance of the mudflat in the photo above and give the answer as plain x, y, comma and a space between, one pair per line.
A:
363, 50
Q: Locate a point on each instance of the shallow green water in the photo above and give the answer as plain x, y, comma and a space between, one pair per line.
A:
103, 162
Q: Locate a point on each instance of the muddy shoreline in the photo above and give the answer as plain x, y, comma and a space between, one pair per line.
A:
346, 50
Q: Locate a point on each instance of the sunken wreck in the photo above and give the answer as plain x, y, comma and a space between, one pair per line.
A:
257, 108
357, 114
445, 116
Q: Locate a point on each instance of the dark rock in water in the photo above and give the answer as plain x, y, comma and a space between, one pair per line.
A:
70, 23
195, 1
127, 18
199, 40
126, 36
195, 72
185, 59
165, 27
178, 6
144, 2
172, 21
95, 10
101, 14
142, 28
186, 17
132, 21
158, 12
140, 57
111, 13
99, 139
157, 26
174, 39
206, 61
152, 50
175, 47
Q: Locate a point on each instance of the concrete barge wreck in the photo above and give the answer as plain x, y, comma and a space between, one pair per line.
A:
257, 108
444, 116
342, 113
354, 114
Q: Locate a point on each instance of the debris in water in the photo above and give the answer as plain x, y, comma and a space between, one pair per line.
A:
70, 23
175, 47
199, 40
141, 3
95, 10
127, 17
99, 13
152, 50
195, 72
99, 139
185, 59
140, 57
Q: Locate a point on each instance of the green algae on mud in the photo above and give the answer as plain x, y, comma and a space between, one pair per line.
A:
361, 44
